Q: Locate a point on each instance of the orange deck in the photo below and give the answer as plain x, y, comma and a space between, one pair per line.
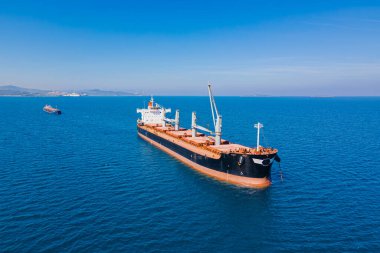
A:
202, 144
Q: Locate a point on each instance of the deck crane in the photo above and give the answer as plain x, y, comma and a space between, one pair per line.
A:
174, 121
216, 120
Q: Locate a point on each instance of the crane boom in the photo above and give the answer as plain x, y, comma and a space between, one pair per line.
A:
203, 129
216, 118
214, 109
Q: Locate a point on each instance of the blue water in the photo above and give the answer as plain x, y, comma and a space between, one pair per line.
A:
84, 181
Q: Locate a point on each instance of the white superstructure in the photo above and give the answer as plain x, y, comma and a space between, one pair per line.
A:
72, 94
154, 114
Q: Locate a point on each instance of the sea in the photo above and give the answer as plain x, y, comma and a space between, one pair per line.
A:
84, 181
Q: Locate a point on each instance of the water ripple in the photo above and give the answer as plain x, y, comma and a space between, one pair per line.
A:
83, 181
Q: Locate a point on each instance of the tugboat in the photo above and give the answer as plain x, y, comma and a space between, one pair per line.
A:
208, 154
50, 109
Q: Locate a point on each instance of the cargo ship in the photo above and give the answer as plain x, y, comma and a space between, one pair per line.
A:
50, 109
207, 153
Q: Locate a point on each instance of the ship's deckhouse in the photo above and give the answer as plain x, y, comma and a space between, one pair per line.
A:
154, 114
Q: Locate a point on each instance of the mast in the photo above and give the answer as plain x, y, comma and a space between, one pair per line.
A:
176, 120
151, 102
258, 126
218, 130
193, 124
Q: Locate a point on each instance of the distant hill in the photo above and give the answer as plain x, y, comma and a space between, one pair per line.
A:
11, 90
97, 92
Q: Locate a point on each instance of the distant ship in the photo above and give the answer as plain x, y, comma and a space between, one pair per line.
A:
210, 155
72, 94
50, 109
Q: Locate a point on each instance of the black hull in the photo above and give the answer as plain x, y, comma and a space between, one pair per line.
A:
249, 166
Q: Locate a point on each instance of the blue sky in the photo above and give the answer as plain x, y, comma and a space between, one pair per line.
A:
288, 48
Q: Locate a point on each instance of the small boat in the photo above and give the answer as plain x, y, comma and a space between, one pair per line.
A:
50, 109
